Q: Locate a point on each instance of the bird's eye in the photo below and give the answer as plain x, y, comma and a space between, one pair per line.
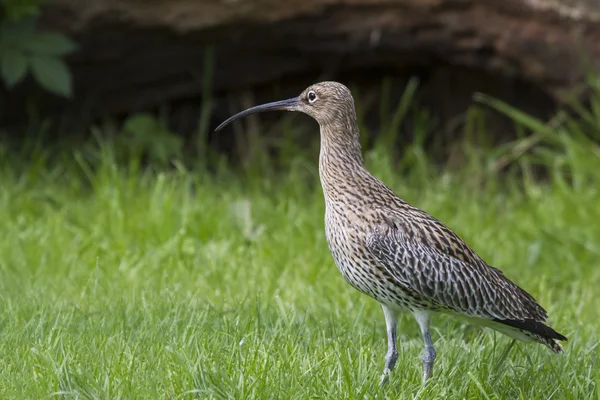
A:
312, 97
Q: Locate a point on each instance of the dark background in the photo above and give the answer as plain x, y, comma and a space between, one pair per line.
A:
194, 63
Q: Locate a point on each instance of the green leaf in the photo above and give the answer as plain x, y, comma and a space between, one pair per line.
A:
49, 44
19, 9
14, 66
141, 124
12, 31
150, 136
53, 74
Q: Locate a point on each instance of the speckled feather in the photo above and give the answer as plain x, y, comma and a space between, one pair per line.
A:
400, 255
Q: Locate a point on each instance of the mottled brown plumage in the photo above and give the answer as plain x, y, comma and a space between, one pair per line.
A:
397, 254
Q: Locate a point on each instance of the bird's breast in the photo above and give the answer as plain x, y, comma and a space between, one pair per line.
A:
347, 231
346, 237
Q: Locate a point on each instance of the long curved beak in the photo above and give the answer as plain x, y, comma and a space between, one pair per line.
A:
288, 105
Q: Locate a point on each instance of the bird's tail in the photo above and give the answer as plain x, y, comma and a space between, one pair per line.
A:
552, 344
537, 331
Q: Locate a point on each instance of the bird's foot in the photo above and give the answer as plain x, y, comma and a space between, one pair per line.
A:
384, 377
428, 360
390, 361
427, 369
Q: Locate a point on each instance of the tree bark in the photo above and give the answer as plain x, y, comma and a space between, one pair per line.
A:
139, 53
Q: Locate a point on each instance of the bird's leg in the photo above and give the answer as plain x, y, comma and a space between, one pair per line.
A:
429, 355
391, 321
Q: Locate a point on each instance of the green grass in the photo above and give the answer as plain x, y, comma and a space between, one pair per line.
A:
116, 282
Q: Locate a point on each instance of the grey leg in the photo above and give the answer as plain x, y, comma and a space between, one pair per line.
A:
429, 355
391, 321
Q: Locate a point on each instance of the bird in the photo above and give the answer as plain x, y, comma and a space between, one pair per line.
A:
396, 253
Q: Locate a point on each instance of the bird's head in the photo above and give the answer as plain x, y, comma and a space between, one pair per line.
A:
327, 102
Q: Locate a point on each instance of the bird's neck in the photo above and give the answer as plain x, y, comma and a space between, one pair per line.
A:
340, 159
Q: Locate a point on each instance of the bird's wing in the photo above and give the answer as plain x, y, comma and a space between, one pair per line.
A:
423, 255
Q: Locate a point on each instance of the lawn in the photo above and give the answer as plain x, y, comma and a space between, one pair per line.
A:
122, 283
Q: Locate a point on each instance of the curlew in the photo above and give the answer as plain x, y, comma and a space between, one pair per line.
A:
396, 253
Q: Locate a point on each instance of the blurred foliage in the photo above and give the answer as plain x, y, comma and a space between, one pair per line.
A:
145, 135
19, 9
24, 49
